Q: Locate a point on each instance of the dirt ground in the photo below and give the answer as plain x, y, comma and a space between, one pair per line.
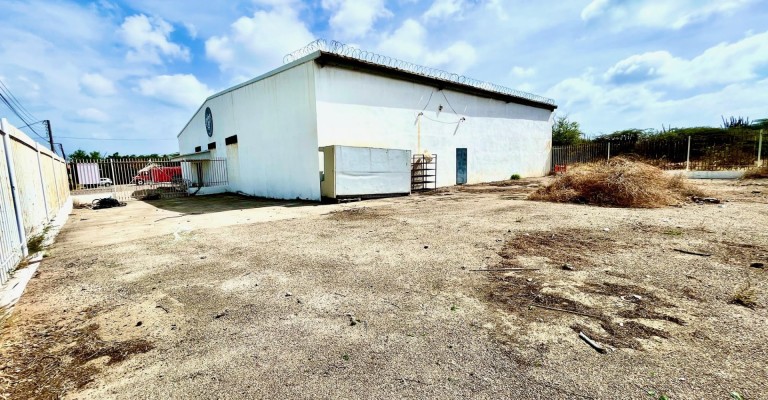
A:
227, 297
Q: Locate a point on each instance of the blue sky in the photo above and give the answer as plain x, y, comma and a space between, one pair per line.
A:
138, 69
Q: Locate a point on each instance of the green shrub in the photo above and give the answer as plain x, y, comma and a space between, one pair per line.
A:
514, 177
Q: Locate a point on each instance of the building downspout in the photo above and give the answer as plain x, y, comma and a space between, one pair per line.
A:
418, 133
14, 190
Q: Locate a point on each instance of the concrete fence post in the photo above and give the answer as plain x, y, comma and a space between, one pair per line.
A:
609, 150
114, 179
54, 167
42, 182
688, 156
760, 150
14, 190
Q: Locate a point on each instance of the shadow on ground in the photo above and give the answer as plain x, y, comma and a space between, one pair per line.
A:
222, 202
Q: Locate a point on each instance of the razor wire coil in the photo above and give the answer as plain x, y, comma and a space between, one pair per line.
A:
345, 50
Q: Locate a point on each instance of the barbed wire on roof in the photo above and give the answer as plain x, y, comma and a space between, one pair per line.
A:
341, 49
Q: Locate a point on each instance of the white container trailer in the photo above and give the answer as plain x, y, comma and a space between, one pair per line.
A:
88, 174
364, 172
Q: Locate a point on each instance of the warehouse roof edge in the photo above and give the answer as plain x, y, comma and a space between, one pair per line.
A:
327, 58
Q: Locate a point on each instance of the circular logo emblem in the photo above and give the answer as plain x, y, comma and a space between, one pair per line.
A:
208, 121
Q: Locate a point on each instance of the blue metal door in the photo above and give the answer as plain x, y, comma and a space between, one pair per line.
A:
461, 166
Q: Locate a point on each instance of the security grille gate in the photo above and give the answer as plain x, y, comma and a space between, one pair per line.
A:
144, 179
423, 172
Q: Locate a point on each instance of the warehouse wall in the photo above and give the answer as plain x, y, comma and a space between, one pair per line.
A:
501, 139
274, 120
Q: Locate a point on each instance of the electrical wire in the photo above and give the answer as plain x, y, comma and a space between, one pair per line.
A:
449, 103
9, 100
444, 122
34, 123
15, 100
428, 100
13, 109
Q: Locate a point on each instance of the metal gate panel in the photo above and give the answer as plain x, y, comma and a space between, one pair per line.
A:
144, 179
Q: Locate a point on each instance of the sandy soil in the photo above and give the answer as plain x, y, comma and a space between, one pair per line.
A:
224, 297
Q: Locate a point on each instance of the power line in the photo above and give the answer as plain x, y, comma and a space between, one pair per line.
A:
13, 109
15, 100
34, 123
9, 99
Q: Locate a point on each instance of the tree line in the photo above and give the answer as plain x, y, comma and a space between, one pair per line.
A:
80, 154
566, 132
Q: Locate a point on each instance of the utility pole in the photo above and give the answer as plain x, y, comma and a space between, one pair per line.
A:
47, 123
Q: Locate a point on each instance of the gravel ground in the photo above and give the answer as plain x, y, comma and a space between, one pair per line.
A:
232, 298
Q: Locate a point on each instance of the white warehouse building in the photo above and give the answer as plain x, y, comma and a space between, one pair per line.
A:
275, 131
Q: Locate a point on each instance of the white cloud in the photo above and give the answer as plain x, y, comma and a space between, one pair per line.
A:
353, 19
646, 90
724, 63
658, 13
181, 89
258, 43
442, 9
409, 42
97, 85
149, 41
599, 107
93, 115
523, 72
191, 30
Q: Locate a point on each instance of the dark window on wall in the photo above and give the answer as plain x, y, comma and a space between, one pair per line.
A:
198, 149
211, 145
230, 140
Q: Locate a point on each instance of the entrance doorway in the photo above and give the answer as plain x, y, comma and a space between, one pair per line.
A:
461, 166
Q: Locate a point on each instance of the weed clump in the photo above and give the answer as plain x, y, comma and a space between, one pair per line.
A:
35, 243
756, 173
745, 296
618, 182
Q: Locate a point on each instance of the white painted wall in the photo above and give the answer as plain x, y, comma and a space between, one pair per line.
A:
360, 109
274, 120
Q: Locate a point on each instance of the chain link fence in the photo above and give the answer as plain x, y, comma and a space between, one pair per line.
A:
696, 153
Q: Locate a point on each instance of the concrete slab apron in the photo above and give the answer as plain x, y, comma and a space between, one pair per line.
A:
11, 292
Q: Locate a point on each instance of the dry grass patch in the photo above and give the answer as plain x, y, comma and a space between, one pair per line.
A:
756, 173
619, 182
745, 296
545, 294
41, 367
358, 214
575, 246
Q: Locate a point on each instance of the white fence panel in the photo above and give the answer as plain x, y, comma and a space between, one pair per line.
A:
10, 245
33, 188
